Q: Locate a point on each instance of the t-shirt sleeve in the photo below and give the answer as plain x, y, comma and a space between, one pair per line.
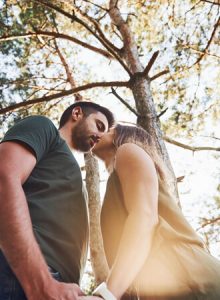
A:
37, 132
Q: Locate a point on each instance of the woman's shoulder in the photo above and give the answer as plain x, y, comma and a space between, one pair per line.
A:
131, 151
132, 158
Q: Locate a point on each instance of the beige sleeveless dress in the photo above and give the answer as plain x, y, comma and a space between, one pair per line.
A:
179, 266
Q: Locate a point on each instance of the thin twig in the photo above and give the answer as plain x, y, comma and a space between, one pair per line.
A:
200, 52
192, 7
209, 41
159, 75
207, 222
57, 35
99, 6
187, 147
162, 112
124, 102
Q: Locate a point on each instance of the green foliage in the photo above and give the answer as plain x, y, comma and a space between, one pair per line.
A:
19, 72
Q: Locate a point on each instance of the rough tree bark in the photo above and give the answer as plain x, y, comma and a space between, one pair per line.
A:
140, 86
98, 260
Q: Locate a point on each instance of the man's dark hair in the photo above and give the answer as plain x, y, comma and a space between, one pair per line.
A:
87, 109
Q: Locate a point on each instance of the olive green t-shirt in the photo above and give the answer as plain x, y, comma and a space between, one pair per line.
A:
56, 196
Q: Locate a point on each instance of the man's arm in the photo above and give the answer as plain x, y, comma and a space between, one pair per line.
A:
17, 240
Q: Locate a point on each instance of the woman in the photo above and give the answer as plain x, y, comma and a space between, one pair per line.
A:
151, 249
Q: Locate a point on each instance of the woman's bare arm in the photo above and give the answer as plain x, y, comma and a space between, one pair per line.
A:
139, 183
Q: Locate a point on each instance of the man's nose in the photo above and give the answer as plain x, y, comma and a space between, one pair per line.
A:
101, 134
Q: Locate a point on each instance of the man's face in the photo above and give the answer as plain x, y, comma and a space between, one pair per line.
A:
105, 143
88, 131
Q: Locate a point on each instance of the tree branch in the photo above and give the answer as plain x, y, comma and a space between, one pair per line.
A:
209, 41
57, 35
162, 112
130, 50
103, 8
76, 19
201, 52
192, 7
207, 222
147, 69
97, 27
187, 147
124, 102
212, 137
69, 76
63, 94
203, 112
213, 3
150, 64
25, 81
159, 75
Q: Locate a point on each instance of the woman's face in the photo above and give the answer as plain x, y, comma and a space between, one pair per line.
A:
105, 143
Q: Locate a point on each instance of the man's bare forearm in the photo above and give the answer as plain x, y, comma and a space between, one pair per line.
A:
18, 243
17, 239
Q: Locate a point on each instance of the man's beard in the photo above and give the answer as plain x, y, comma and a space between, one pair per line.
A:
80, 137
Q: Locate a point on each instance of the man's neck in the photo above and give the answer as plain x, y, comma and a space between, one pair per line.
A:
66, 136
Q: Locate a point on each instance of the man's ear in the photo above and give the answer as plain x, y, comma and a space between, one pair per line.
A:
77, 113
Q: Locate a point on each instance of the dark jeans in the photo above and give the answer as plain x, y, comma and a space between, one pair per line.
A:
10, 288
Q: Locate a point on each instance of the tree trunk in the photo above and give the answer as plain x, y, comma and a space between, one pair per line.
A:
140, 86
98, 260
148, 120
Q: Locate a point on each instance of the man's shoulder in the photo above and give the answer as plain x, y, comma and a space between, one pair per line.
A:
34, 122
31, 126
37, 132
38, 119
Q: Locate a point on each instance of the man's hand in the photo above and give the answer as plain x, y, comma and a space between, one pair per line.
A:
57, 291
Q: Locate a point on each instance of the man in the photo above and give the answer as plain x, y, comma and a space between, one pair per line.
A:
43, 212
